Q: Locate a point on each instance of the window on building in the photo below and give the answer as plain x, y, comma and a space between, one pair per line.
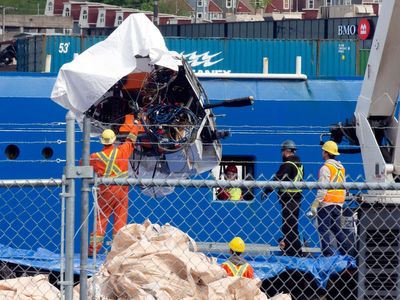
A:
244, 166
199, 3
286, 4
50, 6
84, 15
119, 20
328, 2
228, 3
67, 12
215, 16
101, 18
199, 15
310, 3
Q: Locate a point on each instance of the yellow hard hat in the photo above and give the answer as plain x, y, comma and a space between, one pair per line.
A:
237, 245
107, 137
331, 147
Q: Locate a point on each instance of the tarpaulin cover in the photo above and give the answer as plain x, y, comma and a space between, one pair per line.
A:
82, 82
322, 268
43, 259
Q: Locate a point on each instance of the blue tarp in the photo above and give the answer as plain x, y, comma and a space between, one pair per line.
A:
44, 259
321, 268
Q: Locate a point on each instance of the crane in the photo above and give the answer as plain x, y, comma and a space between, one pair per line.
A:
376, 126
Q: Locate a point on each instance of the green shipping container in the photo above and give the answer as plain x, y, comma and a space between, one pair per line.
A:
362, 66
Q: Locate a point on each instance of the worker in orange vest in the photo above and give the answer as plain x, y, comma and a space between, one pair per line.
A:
328, 203
112, 161
236, 265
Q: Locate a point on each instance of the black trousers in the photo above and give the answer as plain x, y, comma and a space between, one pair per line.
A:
290, 223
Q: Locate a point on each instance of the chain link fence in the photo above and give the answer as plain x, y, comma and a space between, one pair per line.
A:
362, 261
31, 238
157, 253
179, 232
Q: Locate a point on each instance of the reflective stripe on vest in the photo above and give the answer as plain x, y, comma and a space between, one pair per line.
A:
299, 177
337, 175
235, 270
111, 167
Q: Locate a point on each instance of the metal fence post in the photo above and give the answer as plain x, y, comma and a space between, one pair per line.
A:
85, 189
70, 204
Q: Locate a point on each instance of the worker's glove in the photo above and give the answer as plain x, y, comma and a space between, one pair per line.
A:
266, 193
131, 125
313, 210
223, 195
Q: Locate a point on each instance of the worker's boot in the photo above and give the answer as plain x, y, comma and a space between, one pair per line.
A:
99, 244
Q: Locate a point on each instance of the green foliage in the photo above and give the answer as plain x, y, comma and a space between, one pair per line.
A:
24, 7
260, 3
138, 4
174, 7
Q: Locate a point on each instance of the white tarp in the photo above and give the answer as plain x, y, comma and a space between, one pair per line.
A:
90, 75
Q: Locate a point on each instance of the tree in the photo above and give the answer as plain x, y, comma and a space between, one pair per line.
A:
260, 3
175, 7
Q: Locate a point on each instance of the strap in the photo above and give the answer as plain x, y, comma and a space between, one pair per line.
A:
339, 175
111, 167
298, 177
242, 269
236, 271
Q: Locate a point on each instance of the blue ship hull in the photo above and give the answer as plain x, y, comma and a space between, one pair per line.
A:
298, 110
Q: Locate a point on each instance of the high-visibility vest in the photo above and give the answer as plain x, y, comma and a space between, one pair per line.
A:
236, 193
234, 270
337, 175
299, 177
113, 167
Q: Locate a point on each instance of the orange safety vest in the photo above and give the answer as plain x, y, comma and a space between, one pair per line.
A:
113, 167
244, 270
113, 161
337, 175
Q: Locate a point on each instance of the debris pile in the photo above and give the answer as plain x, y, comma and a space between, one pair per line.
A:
148, 261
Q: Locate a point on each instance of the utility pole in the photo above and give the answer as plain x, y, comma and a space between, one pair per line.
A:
3, 32
155, 13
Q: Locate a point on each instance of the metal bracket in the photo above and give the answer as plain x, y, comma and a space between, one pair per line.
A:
78, 172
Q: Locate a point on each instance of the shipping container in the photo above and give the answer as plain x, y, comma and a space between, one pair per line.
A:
202, 30
363, 61
250, 30
245, 55
300, 29
32, 52
316, 29
216, 55
337, 58
62, 49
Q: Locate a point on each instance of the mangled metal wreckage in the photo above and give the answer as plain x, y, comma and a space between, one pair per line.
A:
133, 73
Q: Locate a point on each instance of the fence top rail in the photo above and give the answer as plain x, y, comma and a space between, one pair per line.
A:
249, 184
30, 182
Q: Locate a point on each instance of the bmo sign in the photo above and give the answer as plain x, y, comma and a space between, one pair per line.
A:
363, 29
